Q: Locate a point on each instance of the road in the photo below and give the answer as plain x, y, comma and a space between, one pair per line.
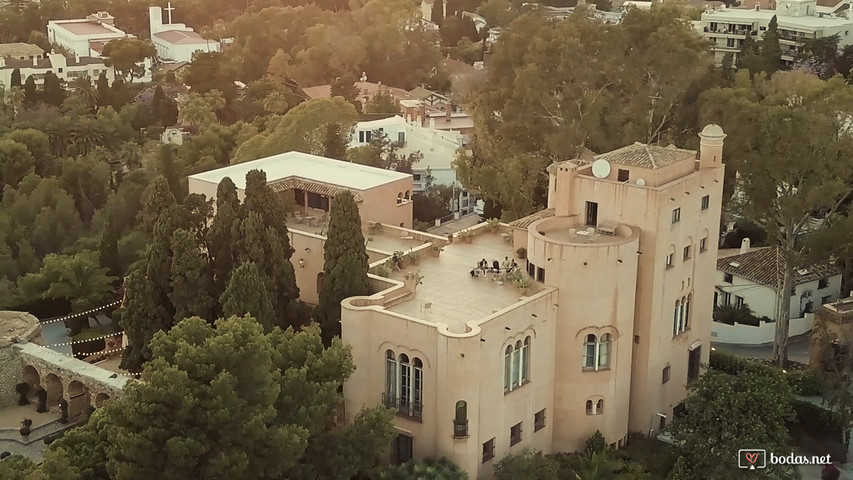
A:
798, 349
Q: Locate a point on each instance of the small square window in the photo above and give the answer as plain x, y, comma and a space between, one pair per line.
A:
703, 244
515, 434
822, 283
416, 177
826, 299
669, 260
539, 420
687, 252
623, 175
728, 277
665, 374
706, 202
637, 339
676, 215
488, 450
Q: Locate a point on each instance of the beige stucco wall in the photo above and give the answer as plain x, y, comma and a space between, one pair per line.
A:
380, 204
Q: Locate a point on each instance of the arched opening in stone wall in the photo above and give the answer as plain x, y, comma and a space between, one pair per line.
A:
100, 399
53, 385
320, 277
78, 399
31, 377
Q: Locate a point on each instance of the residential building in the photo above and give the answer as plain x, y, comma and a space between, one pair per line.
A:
439, 149
426, 9
798, 20
603, 328
66, 69
836, 320
20, 51
87, 38
444, 117
366, 91
751, 278
175, 42
175, 135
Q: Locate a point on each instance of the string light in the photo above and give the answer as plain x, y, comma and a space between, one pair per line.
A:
77, 342
78, 315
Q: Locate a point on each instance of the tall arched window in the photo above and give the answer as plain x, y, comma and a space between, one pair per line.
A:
681, 315
604, 351
405, 380
599, 406
390, 375
675, 319
589, 351
508, 368
460, 420
516, 364
418, 388
589, 407
687, 311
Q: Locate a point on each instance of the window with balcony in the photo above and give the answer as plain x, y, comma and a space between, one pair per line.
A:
515, 434
404, 385
488, 450
539, 420
460, 421
516, 365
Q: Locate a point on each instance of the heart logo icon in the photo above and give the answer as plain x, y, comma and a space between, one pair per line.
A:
751, 457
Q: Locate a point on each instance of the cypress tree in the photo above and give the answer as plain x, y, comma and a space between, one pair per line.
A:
54, 94
771, 52
246, 294
164, 108
191, 278
120, 95
142, 315
346, 264
334, 144
169, 167
105, 94
437, 14
108, 248
31, 93
220, 238
15, 81
158, 196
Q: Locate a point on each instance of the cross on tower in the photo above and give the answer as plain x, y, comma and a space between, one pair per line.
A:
169, 9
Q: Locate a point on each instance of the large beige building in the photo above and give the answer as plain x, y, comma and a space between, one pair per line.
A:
613, 325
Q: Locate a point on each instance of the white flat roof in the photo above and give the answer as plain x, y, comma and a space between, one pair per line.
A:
308, 167
787, 22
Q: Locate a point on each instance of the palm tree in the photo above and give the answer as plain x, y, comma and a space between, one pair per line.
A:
80, 280
87, 93
14, 98
597, 466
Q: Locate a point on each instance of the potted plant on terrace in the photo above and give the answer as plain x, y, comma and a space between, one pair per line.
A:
493, 224
521, 252
466, 236
25, 429
435, 249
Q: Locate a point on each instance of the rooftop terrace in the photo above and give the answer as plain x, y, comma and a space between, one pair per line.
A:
456, 297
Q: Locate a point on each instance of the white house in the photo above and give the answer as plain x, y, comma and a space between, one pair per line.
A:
175, 42
87, 38
66, 69
438, 148
751, 278
798, 20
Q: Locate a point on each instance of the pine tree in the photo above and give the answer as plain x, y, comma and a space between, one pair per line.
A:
246, 294
105, 94
771, 52
15, 81
335, 145
221, 236
437, 14
54, 94
191, 278
31, 93
346, 264
108, 248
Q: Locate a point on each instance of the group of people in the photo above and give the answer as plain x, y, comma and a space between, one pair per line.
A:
483, 267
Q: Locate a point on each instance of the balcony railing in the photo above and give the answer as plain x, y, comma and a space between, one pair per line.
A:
412, 410
460, 429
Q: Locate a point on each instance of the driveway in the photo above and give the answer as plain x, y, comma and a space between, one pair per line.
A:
798, 349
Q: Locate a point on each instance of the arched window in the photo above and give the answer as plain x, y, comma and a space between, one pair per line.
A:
508, 368
516, 364
604, 351
675, 319
589, 351
418, 388
405, 380
408, 195
399, 198
460, 420
687, 311
589, 407
681, 315
390, 376
599, 406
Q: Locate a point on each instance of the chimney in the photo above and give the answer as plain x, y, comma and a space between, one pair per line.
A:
448, 111
744, 245
432, 123
35, 61
76, 59
711, 146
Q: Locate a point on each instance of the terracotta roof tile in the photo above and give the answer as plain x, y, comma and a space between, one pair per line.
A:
525, 222
767, 266
647, 156
292, 183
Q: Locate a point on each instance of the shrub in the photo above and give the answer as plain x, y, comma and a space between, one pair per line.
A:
23, 389
727, 363
805, 382
816, 431
596, 443
521, 252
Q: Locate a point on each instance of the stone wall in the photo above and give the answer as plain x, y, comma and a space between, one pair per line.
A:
15, 328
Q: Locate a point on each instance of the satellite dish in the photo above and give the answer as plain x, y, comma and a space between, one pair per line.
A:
601, 168
641, 182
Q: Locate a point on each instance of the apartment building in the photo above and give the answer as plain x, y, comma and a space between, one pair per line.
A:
602, 325
67, 69
798, 20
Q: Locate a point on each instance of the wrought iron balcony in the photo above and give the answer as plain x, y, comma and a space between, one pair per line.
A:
411, 410
460, 429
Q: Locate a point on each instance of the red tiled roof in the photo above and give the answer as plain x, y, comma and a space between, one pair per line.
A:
767, 267
367, 89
